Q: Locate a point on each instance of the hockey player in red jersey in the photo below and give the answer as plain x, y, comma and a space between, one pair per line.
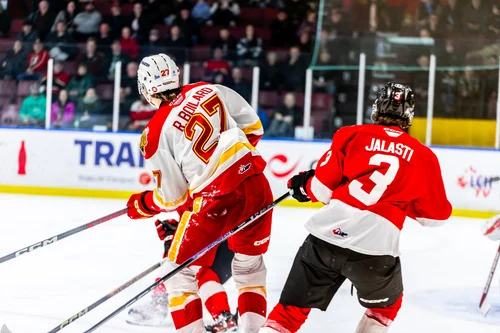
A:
200, 146
370, 180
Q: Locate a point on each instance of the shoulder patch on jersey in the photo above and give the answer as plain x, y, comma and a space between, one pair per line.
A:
144, 141
155, 126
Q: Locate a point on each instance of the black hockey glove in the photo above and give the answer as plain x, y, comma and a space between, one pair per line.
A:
297, 185
166, 231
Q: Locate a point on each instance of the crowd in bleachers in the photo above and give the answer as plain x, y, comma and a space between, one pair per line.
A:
223, 39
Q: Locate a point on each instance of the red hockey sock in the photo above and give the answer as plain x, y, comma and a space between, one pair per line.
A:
386, 315
185, 310
212, 292
287, 318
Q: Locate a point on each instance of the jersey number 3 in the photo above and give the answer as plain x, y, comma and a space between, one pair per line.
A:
199, 120
382, 181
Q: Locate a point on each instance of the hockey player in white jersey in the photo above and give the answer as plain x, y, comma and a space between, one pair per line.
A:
200, 146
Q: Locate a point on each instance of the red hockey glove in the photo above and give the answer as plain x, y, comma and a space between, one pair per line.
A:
297, 185
166, 231
142, 206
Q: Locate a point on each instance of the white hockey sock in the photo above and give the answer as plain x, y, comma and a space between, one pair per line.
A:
370, 325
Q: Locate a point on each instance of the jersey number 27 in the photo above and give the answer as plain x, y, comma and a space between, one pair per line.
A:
202, 122
382, 181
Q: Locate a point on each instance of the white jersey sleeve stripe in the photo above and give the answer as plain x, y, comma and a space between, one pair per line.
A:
320, 191
430, 222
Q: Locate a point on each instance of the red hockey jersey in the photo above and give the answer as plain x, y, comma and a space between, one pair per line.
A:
371, 179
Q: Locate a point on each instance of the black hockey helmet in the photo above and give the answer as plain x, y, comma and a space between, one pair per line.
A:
396, 100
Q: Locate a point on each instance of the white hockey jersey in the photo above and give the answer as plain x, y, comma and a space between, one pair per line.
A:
199, 144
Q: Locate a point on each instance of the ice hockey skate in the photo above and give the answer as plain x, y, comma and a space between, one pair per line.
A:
225, 322
153, 313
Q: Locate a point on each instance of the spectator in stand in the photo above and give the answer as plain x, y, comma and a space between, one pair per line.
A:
217, 64
284, 118
154, 44
60, 79
240, 85
425, 9
434, 27
87, 22
295, 69
308, 25
104, 39
175, 7
296, 11
176, 45
115, 56
128, 88
27, 35
139, 23
92, 58
141, 113
224, 13
115, 20
281, 30
67, 16
447, 83
494, 21
128, 44
88, 108
155, 11
201, 12
37, 63
305, 43
267, 3
471, 92
270, 72
323, 80
80, 83
42, 19
4, 23
451, 16
220, 78
249, 48
32, 111
338, 25
189, 28
63, 111
450, 56
474, 17
421, 78
60, 43
14, 62
226, 43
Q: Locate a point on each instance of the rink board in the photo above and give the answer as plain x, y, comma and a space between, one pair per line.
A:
109, 165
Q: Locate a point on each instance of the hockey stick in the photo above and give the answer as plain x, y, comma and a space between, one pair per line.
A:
53, 239
485, 307
116, 291
189, 261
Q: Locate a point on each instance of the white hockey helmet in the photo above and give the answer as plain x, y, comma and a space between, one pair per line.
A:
156, 74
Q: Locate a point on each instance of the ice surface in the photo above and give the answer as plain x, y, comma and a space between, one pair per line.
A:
444, 270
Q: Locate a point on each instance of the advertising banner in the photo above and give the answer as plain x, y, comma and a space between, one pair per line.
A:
111, 165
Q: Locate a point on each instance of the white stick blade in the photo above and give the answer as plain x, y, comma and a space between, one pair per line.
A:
484, 309
5, 329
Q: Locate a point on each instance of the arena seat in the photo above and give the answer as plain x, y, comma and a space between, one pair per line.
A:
16, 26
268, 99
321, 101
199, 53
71, 67
8, 88
105, 91
23, 89
196, 73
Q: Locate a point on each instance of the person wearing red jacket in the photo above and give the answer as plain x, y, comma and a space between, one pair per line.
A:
371, 179
37, 63
60, 78
129, 45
